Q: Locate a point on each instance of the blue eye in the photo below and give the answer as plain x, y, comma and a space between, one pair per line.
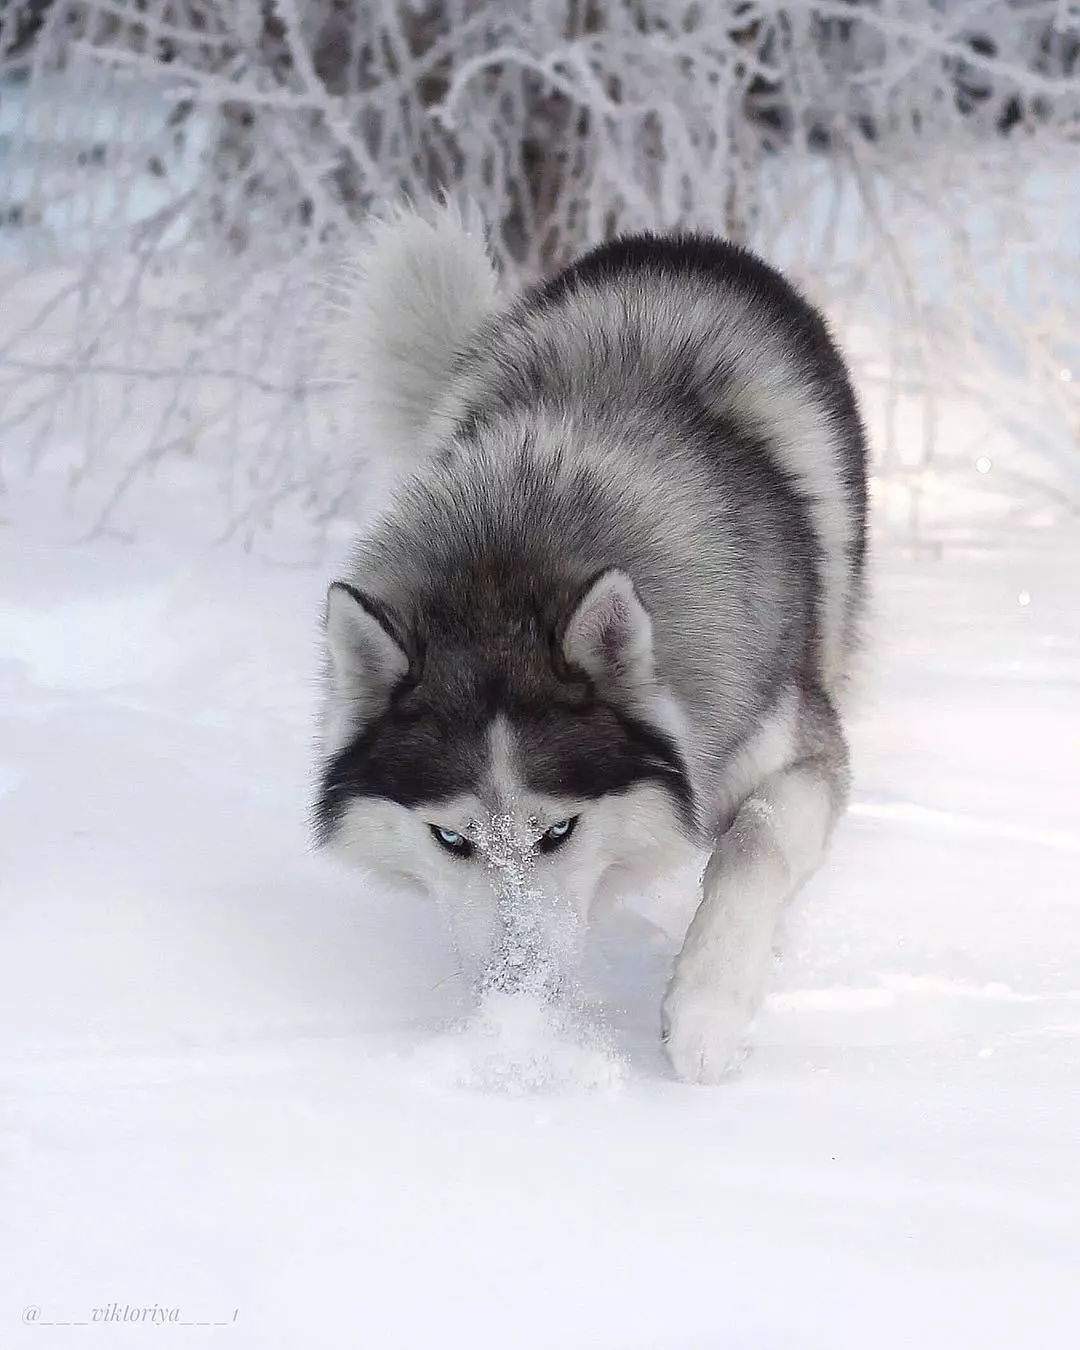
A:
453, 842
558, 834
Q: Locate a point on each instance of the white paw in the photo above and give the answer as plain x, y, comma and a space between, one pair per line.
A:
703, 1031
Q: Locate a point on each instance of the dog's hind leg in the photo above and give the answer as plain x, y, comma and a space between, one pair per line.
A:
775, 842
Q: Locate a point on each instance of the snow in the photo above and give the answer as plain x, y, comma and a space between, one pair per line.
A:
241, 1084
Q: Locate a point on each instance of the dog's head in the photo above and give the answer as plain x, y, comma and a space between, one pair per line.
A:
503, 771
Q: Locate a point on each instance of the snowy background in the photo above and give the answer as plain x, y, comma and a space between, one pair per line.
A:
245, 1088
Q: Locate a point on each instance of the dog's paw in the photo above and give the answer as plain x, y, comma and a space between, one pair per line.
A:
703, 1032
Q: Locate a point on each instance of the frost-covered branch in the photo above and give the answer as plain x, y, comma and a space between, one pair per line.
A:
177, 175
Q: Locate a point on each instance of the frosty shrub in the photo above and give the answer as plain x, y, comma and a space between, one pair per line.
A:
177, 175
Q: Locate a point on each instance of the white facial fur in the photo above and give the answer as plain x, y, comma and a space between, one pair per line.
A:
508, 883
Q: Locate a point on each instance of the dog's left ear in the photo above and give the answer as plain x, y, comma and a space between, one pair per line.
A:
367, 659
610, 635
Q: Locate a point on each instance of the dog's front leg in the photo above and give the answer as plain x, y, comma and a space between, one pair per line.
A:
777, 839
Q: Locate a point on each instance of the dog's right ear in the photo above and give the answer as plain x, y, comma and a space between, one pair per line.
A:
610, 636
367, 660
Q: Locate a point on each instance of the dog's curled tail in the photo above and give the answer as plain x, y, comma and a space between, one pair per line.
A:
403, 310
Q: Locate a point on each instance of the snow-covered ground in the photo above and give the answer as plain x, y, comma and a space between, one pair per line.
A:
231, 1084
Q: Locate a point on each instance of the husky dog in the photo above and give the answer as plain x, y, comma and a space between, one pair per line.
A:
606, 621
